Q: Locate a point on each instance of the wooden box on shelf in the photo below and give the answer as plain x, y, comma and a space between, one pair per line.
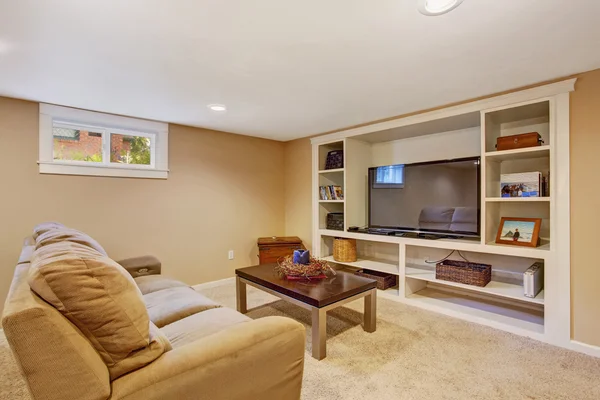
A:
520, 141
271, 249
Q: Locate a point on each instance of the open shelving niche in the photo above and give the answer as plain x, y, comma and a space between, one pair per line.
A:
328, 177
456, 132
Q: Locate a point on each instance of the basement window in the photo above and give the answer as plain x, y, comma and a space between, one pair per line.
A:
78, 142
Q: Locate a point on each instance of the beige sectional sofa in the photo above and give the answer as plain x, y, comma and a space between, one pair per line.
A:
83, 327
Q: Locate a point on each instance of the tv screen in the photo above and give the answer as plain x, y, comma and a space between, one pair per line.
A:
433, 197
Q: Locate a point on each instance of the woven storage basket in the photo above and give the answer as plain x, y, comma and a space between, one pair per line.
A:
464, 272
335, 221
344, 250
384, 281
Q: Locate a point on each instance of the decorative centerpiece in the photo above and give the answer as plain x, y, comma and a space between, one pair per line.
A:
302, 266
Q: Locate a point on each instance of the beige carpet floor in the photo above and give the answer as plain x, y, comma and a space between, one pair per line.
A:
414, 354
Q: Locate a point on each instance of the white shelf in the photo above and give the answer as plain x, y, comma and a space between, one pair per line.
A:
510, 249
331, 171
513, 319
331, 201
450, 244
519, 154
390, 267
495, 288
517, 199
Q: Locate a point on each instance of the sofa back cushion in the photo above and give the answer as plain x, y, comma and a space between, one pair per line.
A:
61, 234
56, 359
99, 297
45, 227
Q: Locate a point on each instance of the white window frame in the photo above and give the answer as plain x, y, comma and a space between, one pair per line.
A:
107, 124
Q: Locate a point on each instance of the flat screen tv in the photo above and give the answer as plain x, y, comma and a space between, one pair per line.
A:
438, 197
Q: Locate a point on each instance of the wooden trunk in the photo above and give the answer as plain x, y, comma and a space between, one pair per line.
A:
530, 139
271, 249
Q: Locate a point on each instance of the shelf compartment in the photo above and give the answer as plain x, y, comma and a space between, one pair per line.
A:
381, 265
519, 154
534, 117
520, 209
495, 288
522, 320
326, 148
329, 206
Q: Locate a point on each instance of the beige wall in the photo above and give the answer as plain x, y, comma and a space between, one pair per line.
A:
298, 190
224, 191
585, 204
585, 201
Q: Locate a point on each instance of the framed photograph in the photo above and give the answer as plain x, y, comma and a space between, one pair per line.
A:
519, 231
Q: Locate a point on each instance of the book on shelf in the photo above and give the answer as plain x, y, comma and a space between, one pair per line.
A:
331, 192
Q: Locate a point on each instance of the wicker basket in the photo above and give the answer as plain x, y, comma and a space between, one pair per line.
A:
384, 281
464, 272
344, 250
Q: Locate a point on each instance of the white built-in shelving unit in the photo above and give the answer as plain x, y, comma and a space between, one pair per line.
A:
465, 130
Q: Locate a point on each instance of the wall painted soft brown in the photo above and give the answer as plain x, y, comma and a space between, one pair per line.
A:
298, 190
585, 201
224, 191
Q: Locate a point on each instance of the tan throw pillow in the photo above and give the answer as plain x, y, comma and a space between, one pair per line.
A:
101, 299
58, 235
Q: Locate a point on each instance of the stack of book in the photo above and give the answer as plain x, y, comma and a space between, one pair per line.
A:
331, 192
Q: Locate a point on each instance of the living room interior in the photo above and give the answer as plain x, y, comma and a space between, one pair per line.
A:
334, 200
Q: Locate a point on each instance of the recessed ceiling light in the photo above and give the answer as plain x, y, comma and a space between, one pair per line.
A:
437, 7
217, 107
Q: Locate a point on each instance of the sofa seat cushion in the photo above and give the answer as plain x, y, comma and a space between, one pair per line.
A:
99, 297
170, 305
154, 283
203, 324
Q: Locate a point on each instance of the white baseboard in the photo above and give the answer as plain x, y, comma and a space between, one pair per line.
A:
585, 348
213, 284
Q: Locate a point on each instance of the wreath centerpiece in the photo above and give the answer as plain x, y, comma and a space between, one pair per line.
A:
302, 266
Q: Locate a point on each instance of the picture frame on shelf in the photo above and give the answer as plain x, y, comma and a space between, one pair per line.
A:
519, 231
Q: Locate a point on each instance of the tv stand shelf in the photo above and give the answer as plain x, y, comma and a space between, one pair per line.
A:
461, 132
495, 288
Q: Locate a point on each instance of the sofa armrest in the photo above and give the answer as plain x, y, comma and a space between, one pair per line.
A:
141, 266
260, 359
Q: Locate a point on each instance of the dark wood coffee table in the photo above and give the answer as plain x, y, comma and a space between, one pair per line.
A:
317, 295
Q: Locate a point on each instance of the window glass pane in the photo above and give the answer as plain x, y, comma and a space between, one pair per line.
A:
77, 145
127, 149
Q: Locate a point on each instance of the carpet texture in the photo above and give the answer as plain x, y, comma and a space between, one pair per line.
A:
414, 354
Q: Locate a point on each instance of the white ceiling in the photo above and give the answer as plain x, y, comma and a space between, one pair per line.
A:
285, 69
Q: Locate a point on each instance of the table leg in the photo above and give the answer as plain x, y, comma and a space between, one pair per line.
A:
319, 333
240, 289
370, 313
